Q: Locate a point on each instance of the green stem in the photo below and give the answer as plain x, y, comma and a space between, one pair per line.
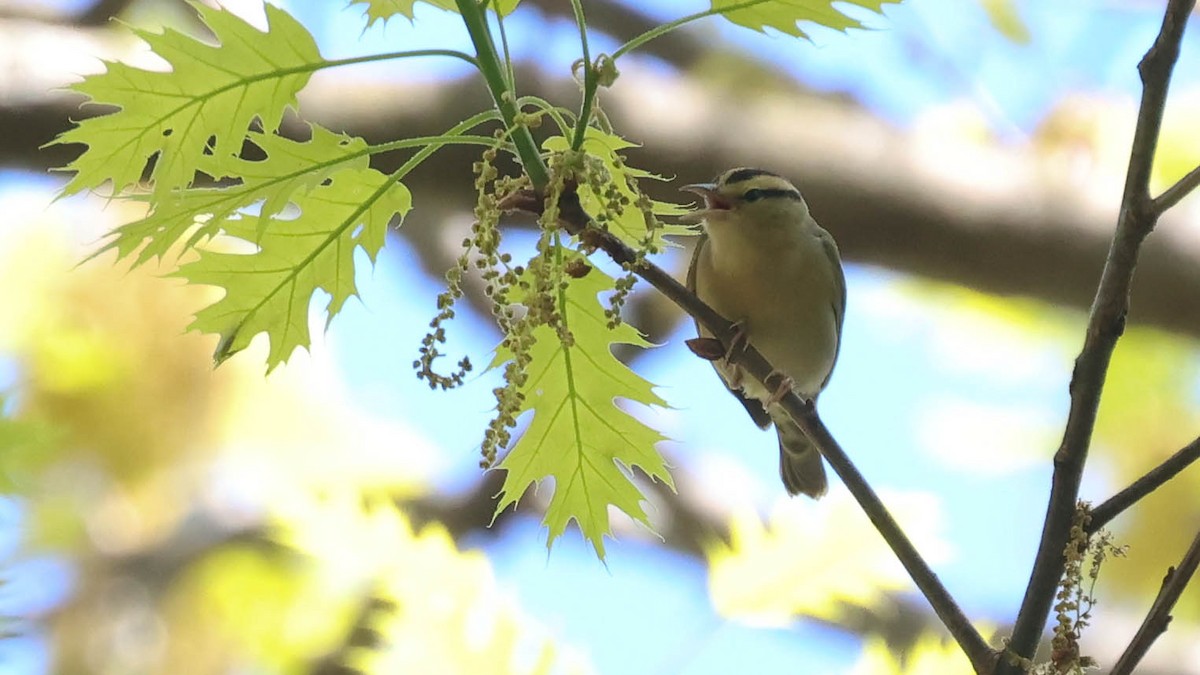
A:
589, 79
668, 27
451, 135
548, 108
413, 53
505, 99
508, 64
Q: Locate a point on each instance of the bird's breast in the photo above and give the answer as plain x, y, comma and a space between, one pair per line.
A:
782, 288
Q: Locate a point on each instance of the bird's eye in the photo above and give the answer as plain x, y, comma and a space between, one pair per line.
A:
752, 195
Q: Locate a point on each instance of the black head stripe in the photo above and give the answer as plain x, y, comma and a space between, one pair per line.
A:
740, 175
756, 194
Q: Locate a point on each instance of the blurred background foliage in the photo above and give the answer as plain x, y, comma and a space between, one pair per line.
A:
167, 517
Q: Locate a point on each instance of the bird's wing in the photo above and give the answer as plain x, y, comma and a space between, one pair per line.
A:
838, 306
757, 412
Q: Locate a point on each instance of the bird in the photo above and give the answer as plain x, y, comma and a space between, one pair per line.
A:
765, 264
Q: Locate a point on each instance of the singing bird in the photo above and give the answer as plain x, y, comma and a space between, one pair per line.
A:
766, 265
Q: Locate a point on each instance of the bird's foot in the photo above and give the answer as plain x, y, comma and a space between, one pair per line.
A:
785, 386
739, 340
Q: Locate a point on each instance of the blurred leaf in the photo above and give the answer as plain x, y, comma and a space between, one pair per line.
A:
438, 609
931, 655
578, 436
812, 562
1148, 411
245, 605
85, 347
1006, 19
784, 15
1178, 150
25, 447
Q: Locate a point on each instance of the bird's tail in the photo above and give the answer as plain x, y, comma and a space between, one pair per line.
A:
800, 464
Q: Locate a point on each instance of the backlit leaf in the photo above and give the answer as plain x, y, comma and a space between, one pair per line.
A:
269, 291
784, 15
377, 10
289, 169
631, 225
578, 436
203, 105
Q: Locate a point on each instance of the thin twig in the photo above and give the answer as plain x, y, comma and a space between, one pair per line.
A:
1159, 617
577, 222
1106, 323
1178, 191
1115, 505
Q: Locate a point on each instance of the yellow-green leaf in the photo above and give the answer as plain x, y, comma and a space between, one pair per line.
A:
578, 436
631, 225
269, 291
809, 561
931, 655
784, 15
289, 170
1006, 19
377, 10
203, 105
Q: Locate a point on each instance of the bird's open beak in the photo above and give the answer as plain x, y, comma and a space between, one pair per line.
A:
702, 189
712, 200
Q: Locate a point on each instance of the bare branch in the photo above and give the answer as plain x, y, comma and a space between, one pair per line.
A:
1159, 616
578, 222
1105, 326
1155, 478
1174, 194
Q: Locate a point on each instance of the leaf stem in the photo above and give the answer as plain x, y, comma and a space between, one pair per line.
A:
505, 99
555, 112
665, 28
590, 81
508, 64
409, 54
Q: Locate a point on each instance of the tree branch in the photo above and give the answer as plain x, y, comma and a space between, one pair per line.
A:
1115, 505
576, 221
1174, 194
1106, 323
1159, 616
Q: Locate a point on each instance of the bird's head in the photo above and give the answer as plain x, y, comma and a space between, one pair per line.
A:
749, 194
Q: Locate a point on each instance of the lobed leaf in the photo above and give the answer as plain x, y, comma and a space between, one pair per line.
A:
784, 15
377, 10
269, 291
631, 225
289, 170
201, 108
578, 436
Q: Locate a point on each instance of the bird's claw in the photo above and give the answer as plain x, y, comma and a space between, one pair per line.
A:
785, 386
738, 341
